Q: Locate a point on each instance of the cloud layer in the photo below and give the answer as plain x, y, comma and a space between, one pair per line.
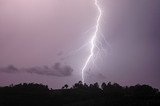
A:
56, 70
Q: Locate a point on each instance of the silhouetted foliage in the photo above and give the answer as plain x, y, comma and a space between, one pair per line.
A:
103, 86
78, 85
79, 95
65, 86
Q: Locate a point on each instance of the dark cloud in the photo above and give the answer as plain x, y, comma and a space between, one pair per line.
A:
9, 69
56, 70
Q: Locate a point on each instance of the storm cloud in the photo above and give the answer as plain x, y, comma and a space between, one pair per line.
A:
9, 69
56, 70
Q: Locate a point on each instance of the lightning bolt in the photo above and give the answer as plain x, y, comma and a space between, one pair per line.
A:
92, 42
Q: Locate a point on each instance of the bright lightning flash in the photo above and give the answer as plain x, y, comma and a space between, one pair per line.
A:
92, 42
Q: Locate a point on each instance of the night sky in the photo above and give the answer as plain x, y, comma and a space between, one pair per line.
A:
41, 41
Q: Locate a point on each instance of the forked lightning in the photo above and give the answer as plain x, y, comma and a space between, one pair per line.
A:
92, 42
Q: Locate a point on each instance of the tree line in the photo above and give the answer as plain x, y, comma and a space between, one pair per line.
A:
79, 94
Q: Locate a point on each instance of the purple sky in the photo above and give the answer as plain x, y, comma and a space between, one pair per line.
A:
39, 38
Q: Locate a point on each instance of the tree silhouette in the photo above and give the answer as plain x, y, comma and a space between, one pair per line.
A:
65, 86
78, 85
79, 95
103, 86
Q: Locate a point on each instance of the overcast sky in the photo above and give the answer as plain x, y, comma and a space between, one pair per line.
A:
41, 40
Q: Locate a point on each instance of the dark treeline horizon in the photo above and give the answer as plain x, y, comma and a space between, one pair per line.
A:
112, 94
80, 82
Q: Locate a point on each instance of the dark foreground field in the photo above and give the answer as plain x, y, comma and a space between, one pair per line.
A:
79, 95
